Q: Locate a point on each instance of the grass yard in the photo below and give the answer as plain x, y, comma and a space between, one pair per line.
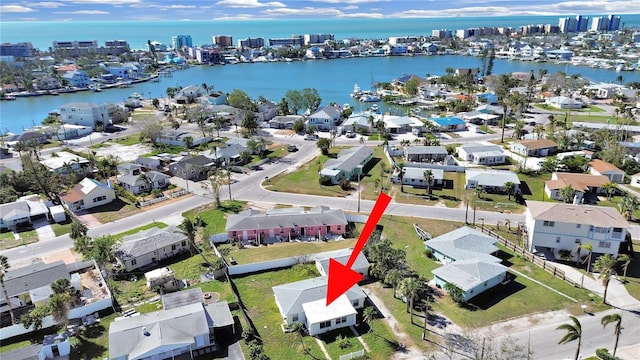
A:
332, 345
8, 241
116, 210
632, 283
375, 177
215, 218
532, 186
148, 226
62, 228
257, 296
128, 140
381, 339
276, 251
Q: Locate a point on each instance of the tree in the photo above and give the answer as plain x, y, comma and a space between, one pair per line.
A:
189, 228
216, 181
509, 187
324, 144
567, 193
283, 107
59, 306
368, 315
250, 123
589, 248
456, 293
616, 319
625, 260
4, 268
62, 286
426, 307
409, 289
35, 317
149, 128
393, 278
428, 177
310, 99
400, 167
294, 101
239, 99
245, 157
604, 266
574, 332
609, 188
628, 205
298, 126
78, 229
411, 86
101, 250
502, 91
188, 141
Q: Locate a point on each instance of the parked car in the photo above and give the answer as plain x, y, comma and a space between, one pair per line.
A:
311, 137
292, 148
350, 134
540, 254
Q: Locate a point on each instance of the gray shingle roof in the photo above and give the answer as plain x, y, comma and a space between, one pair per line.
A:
21, 280
291, 296
348, 159
252, 219
476, 147
146, 241
487, 177
341, 256
419, 150
463, 244
468, 274
219, 314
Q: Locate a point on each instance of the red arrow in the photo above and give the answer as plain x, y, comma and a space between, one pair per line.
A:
342, 277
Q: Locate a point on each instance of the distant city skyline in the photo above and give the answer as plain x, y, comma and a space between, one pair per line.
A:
100, 10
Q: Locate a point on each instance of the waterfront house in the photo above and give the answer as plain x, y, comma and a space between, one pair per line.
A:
481, 154
191, 167
285, 224
85, 114
349, 164
445, 124
425, 153
144, 182
65, 163
304, 302
582, 184
599, 167
563, 102
402, 124
538, 148
472, 73
552, 227
87, 194
325, 119
45, 82
360, 122
177, 137
30, 286
284, 122
25, 138
77, 78
490, 180
469, 264
149, 247
266, 111
414, 176
188, 94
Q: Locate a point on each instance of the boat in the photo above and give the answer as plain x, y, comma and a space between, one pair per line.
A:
135, 95
374, 108
8, 97
423, 235
356, 93
369, 98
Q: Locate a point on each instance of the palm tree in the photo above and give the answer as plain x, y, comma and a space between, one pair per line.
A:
409, 289
509, 187
567, 193
188, 141
78, 229
625, 260
62, 286
148, 185
609, 188
604, 266
401, 175
393, 278
368, 315
617, 330
589, 248
4, 268
428, 176
426, 306
59, 307
628, 205
189, 229
574, 332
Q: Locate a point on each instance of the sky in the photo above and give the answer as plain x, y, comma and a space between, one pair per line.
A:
96, 10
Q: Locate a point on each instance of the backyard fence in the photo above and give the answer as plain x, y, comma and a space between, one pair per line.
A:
163, 198
545, 265
353, 355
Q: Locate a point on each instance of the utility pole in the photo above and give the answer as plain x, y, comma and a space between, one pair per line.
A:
359, 190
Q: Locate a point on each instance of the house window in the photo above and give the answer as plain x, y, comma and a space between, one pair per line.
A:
160, 182
184, 243
173, 247
133, 261
549, 223
325, 324
341, 320
233, 233
604, 244
356, 303
577, 241
578, 226
294, 318
99, 198
558, 239
601, 230
339, 227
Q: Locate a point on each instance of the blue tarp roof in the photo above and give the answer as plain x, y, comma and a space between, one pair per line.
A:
448, 121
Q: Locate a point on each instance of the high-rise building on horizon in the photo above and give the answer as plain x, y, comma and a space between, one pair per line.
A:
179, 41
606, 23
222, 40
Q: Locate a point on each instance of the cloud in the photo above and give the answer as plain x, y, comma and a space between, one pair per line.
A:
349, 7
305, 11
363, 15
84, 12
102, 2
249, 4
350, 1
46, 4
15, 9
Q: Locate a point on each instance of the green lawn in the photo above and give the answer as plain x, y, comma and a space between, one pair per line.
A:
257, 296
8, 241
632, 283
62, 228
332, 346
532, 186
282, 250
116, 210
128, 140
148, 226
215, 218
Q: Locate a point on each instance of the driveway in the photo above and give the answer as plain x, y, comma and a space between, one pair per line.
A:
44, 230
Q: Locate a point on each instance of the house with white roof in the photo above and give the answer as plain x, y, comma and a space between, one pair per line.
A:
360, 265
481, 154
414, 176
85, 114
490, 180
552, 227
325, 118
87, 194
149, 246
64, 163
563, 102
305, 302
21, 211
469, 264
348, 165
425, 153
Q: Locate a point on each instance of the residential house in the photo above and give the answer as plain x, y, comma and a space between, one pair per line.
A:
349, 164
77, 78
472, 73
46, 82
189, 94
127, 72
26, 137
21, 211
635, 180
360, 122
177, 137
226, 156
599, 167
304, 302
284, 122
538, 148
29, 286
285, 224
148, 163
360, 265
481, 154
414, 176
425, 153
69, 131
490, 180
445, 124
129, 169
85, 114
266, 111
325, 119
144, 182
149, 247
191, 167
552, 227
582, 184
469, 264
563, 102
87, 194
64, 163
402, 124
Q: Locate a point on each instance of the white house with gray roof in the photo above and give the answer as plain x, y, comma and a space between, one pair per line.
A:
85, 114
490, 180
414, 176
469, 264
481, 154
360, 265
348, 165
325, 118
149, 247
144, 182
305, 302
425, 153
21, 211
